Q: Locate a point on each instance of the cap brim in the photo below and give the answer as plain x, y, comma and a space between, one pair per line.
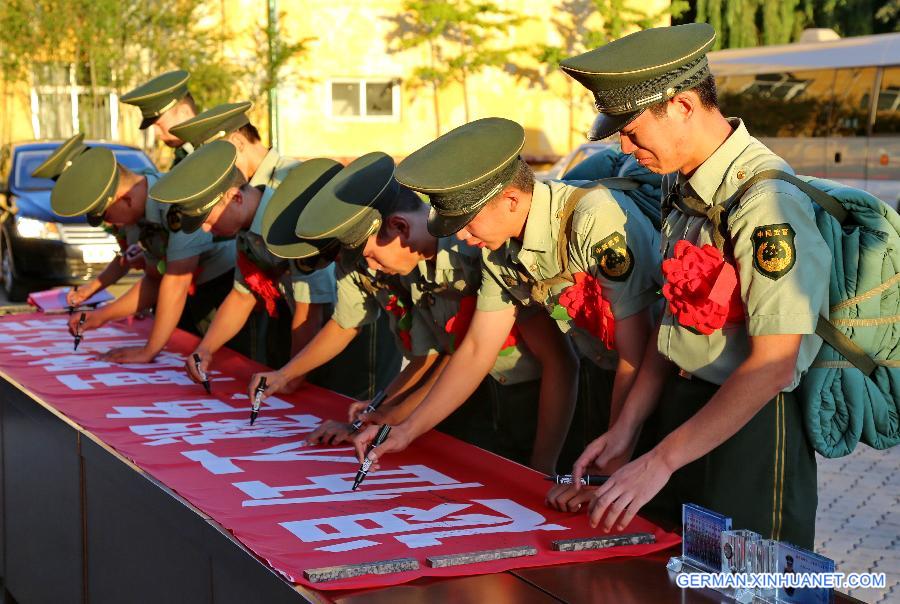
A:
444, 226
606, 125
147, 122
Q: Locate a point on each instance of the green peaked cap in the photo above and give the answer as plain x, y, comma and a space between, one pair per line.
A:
348, 208
198, 182
279, 224
462, 170
641, 69
88, 186
213, 124
158, 95
61, 158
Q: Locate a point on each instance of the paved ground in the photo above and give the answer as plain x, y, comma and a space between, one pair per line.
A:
858, 522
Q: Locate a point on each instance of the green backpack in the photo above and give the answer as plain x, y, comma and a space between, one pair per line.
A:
851, 393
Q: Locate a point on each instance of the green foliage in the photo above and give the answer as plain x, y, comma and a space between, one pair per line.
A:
742, 23
117, 44
462, 37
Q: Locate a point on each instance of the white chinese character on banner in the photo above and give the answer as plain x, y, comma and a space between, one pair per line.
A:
86, 361
339, 487
284, 452
51, 330
164, 377
507, 517
37, 350
203, 433
194, 407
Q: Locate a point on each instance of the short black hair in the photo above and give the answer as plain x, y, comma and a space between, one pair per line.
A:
705, 89
405, 201
250, 133
188, 99
523, 179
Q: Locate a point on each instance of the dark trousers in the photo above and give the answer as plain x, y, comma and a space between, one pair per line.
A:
200, 307
763, 477
591, 418
500, 419
368, 364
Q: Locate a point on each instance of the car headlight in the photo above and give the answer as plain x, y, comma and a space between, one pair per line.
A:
33, 228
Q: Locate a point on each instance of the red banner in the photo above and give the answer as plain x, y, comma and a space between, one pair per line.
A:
289, 502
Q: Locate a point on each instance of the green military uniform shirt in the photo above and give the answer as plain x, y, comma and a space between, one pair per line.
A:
317, 287
776, 301
272, 170
611, 240
433, 292
438, 287
162, 245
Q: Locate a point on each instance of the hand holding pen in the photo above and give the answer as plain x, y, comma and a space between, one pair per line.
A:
373, 405
257, 399
382, 435
204, 378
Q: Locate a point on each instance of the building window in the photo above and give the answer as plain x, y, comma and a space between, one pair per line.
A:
364, 99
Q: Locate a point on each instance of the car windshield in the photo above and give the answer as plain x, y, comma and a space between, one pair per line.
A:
26, 160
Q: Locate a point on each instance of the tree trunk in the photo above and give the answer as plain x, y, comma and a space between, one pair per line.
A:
435, 91
465, 90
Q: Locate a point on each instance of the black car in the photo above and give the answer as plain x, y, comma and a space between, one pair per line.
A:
39, 249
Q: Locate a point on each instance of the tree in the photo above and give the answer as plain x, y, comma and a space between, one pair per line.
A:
117, 44
742, 23
587, 24
462, 38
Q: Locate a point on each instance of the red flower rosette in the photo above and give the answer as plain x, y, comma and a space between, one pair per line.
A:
458, 325
585, 305
701, 288
404, 320
259, 283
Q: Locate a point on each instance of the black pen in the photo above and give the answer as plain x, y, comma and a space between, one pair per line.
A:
78, 329
593, 480
257, 399
382, 435
203, 377
376, 401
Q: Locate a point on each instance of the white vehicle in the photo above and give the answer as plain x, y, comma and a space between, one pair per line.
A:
830, 109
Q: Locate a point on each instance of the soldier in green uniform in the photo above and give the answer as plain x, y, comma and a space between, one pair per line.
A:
51, 168
260, 165
261, 279
428, 286
164, 102
586, 254
186, 276
745, 291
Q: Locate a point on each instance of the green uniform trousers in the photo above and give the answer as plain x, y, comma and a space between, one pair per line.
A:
591, 417
763, 477
200, 307
500, 419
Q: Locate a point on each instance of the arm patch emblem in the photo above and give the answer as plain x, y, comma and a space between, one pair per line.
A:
774, 254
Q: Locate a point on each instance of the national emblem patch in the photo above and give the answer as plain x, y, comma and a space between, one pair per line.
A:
774, 253
614, 257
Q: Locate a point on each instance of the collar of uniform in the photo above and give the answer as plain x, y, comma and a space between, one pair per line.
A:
256, 225
152, 208
536, 238
266, 169
708, 178
430, 267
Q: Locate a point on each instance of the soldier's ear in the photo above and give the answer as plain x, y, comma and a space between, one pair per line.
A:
398, 225
511, 196
684, 104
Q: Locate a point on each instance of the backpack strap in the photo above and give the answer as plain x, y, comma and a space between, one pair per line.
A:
540, 290
718, 214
